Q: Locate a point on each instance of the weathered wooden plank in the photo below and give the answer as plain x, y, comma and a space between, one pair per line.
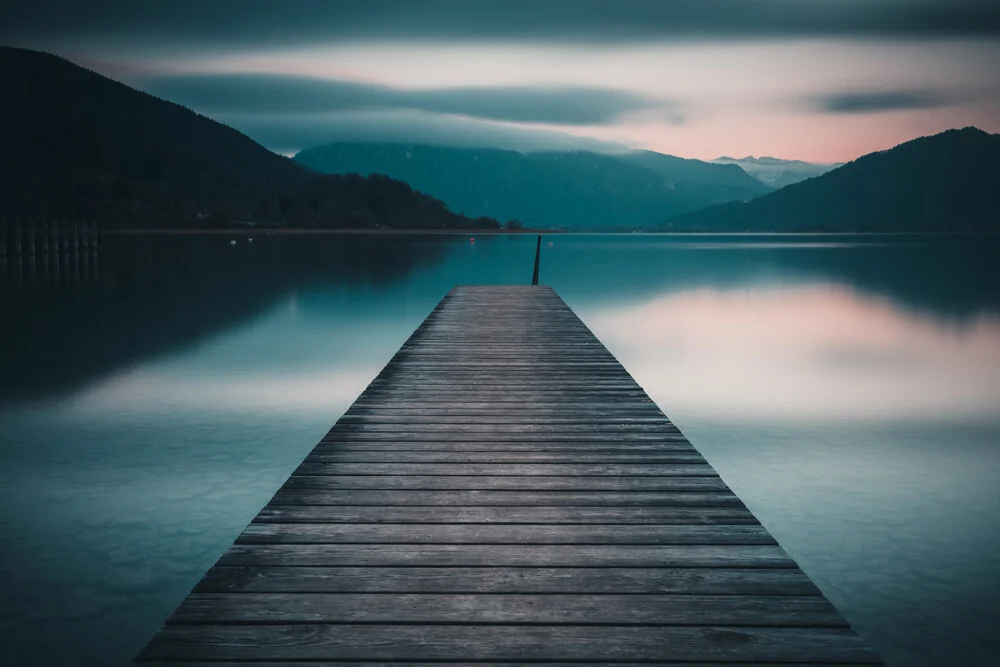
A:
503, 483
743, 610
582, 411
341, 663
582, 581
511, 515
541, 427
509, 498
507, 555
503, 642
335, 455
407, 533
513, 438
330, 464
539, 446
510, 417
503, 382
402, 406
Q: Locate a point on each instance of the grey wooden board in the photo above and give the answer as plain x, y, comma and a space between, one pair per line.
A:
581, 581
750, 610
330, 462
387, 533
333, 467
367, 663
503, 483
480, 446
508, 555
583, 419
499, 426
503, 492
502, 457
503, 642
507, 498
487, 436
450, 515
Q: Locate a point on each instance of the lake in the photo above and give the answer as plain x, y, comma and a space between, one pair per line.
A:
155, 395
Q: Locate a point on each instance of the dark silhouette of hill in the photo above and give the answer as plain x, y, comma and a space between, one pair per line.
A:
945, 182
80, 145
564, 190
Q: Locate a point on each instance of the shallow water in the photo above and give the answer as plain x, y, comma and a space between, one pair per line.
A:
847, 388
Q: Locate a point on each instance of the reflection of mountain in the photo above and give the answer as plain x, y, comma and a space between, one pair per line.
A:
565, 190
947, 277
775, 172
155, 294
944, 182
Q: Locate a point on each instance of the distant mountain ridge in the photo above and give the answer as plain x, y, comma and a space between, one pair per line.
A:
775, 172
566, 189
80, 145
945, 182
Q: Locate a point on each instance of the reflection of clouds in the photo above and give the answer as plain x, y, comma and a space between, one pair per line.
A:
857, 355
150, 390
812, 351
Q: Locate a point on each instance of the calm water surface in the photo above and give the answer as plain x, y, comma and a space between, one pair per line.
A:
153, 398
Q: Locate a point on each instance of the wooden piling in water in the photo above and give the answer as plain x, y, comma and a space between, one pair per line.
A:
538, 256
504, 492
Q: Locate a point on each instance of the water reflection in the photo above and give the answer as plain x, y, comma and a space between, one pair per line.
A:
847, 388
808, 351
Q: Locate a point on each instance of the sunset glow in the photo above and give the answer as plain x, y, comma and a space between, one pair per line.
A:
826, 82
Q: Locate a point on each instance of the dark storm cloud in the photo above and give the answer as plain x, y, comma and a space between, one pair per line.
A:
227, 23
272, 93
861, 102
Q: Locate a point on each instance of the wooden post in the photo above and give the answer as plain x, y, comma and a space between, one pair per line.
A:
3, 255
538, 256
17, 237
18, 270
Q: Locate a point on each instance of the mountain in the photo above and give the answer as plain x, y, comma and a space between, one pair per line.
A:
80, 145
777, 173
945, 182
729, 182
561, 190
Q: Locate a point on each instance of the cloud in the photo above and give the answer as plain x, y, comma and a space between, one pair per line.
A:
274, 93
290, 133
223, 24
867, 101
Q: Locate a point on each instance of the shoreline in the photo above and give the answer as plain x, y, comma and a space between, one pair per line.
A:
388, 231
351, 231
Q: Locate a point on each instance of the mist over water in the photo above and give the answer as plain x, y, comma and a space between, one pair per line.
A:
847, 388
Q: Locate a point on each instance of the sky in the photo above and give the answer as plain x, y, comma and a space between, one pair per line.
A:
817, 80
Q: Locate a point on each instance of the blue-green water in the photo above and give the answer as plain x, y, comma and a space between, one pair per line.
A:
847, 388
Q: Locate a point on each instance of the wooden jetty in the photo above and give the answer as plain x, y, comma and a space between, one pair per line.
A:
505, 493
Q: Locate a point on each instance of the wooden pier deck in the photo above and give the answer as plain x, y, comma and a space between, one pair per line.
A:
505, 493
